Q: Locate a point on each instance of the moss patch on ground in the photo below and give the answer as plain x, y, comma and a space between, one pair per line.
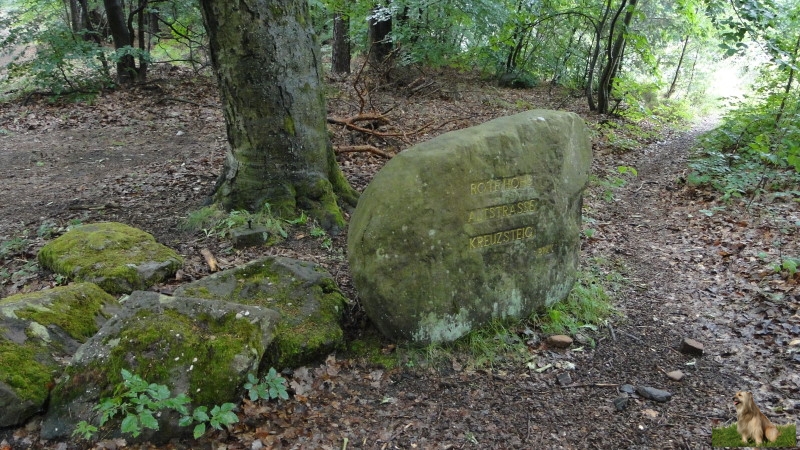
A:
117, 257
729, 437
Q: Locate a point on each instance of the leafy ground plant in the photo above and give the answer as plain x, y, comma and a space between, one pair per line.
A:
139, 403
271, 386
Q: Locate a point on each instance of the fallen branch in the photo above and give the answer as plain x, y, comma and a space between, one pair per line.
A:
210, 260
362, 148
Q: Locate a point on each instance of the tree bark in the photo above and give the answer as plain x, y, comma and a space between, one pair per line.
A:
340, 57
598, 37
380, 42
126, 66
789, 82
677, 69
268, 67
614, 56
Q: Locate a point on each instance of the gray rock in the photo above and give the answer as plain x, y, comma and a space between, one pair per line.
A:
564, 378
621, 403
559, 341
116, 257
306, 296
252, 236
202, 348
38, 333
627, 388
675, 375
473, 225
653, 393
691, 347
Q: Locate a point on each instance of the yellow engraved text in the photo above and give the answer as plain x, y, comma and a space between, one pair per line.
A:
501, 184
501, 237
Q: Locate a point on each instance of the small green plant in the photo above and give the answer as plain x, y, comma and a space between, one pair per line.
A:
47, 229
271, 386
13, 247
213, 221
614, 182
587, 306
789, 265
317, 231
139, 403
220, 415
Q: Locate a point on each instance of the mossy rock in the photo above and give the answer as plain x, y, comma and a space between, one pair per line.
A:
474, 225
201, 348
310, 304
39, 332
115, 256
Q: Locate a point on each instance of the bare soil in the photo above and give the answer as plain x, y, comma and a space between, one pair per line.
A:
695, 267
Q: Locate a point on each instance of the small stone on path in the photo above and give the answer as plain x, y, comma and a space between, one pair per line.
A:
621, 403
627, 388
691, 347
559, 341
564, 378
675, 375
653, 393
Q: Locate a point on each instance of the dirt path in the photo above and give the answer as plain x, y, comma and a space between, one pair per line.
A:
695, 268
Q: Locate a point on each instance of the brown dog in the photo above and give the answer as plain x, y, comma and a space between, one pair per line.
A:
752, 422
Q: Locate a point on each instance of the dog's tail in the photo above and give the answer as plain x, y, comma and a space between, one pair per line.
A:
771, 433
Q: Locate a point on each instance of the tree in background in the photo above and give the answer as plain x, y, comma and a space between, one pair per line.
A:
268, 69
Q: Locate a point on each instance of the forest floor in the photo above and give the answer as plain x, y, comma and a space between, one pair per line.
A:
685, 263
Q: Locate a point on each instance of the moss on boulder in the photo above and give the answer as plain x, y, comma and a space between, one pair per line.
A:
471, 226
117, 257
310, 304
38, 333
202, 348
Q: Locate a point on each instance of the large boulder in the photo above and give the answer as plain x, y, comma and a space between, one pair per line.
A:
475, 224
200, 348
115, 256
305, 294
39, 332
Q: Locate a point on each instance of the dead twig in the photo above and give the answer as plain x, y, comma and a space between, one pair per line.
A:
575, 385
362, 148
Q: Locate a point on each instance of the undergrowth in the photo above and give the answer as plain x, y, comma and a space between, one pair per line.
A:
755, 150
511, 342
213, 221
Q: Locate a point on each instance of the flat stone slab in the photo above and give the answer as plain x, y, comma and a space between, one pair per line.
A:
115, 256
306, 296
473, 225
202, 348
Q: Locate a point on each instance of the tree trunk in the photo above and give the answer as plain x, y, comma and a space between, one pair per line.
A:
340, 57
595, 55
126, 66
380, 27
75, 16
267, 64
788, 88
677, 69
614, 57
